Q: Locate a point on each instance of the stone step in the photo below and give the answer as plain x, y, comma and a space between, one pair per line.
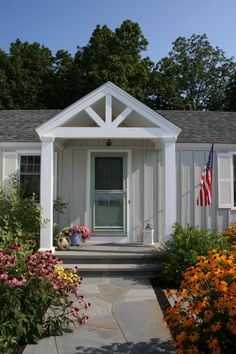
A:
111, 259
113, 267
102, 255
110, 269
105, 259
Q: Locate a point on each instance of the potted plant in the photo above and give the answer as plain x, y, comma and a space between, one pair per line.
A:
76, 234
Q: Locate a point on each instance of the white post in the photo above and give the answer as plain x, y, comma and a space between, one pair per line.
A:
170, 186
46, 194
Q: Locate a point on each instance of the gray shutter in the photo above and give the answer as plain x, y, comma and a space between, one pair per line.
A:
225, 181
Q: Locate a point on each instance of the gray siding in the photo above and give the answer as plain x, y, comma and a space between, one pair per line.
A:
146, 181
73, 182
190, 162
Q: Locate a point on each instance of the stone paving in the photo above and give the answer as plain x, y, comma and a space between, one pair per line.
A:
124, 318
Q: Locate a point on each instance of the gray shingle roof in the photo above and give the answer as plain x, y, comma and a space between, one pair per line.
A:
19, 125
203, 127
197, 127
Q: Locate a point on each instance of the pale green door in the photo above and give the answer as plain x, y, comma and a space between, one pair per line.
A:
109, 187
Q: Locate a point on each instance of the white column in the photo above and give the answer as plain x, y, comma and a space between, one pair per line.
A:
170, 186
46, 194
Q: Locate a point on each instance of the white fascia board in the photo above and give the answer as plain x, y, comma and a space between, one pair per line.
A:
111, 132
69, 112
17, 145
141, 108
113, 90
204, 146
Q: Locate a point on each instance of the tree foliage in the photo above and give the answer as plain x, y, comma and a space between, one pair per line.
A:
28, 71
231, 94
114, 56
193, 76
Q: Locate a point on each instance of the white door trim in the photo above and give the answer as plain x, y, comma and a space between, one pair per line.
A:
88, 213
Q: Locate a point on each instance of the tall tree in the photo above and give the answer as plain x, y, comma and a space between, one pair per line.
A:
29, 73
194, 76
6, 100
231, 94
113, 56
60, 92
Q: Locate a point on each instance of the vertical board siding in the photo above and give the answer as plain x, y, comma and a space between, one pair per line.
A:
143, 187
190, 164
160, 196
199, 212
137, 201
66, 183
78, 187
150, 190
186, 187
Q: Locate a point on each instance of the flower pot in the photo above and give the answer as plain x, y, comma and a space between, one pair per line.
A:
76, 239
63, 243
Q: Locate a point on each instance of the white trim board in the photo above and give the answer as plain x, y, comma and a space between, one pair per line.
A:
88, 215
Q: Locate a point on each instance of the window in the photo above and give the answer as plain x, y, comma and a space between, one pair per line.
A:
30, 175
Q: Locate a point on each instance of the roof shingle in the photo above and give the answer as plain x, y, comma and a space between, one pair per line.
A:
197, 126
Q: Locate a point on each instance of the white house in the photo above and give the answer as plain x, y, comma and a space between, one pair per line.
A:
120, 165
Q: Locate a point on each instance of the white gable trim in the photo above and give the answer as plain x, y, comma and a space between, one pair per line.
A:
109, 90
108, 132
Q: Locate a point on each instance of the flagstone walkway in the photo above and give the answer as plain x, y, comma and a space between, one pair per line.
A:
125, 317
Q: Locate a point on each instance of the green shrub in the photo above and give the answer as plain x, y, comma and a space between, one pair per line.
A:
19, 216
30, 283
181, 251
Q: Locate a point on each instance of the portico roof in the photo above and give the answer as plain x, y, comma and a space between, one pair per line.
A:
108, 112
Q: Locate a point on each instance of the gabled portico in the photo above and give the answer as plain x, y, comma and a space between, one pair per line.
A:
109, 113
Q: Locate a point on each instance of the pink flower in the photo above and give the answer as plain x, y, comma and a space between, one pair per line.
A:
3, 275
16, 282
74, 311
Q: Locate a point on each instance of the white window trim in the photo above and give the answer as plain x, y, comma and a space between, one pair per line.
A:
88, 216
230, 154
232, 167
35, 152
25, 153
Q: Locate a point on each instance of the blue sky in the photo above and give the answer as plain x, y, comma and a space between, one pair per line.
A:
64, 24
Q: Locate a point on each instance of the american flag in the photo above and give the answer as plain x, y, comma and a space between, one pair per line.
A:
205, 194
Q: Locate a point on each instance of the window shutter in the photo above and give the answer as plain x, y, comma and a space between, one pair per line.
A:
9, 166
225, 181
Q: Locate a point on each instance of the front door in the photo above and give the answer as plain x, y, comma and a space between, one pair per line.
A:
109, 192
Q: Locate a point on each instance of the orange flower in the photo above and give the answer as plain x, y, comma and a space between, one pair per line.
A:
180, 337
215, 327
231, 325
170, 292
193, 337
212, 343
208, 315
189, 321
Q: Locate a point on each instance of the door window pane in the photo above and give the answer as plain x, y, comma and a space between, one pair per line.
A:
108, 173
109, 210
